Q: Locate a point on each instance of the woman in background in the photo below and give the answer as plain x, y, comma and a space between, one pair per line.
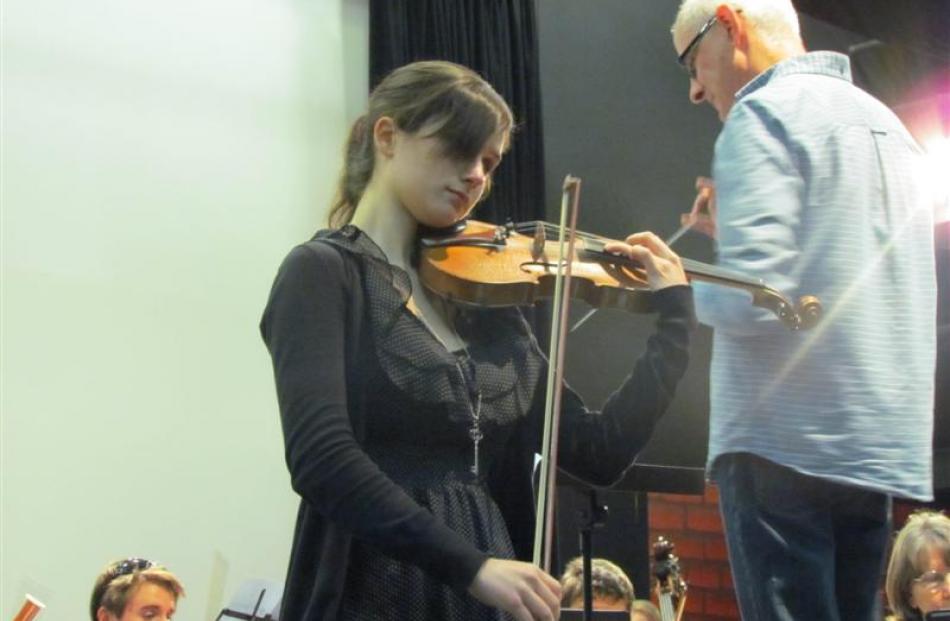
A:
612, 589
917, 575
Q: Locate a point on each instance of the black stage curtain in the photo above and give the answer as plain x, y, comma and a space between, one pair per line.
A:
496, 38
923, 25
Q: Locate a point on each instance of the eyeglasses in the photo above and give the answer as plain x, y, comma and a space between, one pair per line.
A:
687, 60
932, 580
130, 565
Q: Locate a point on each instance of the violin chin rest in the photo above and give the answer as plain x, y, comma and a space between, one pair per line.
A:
455, 229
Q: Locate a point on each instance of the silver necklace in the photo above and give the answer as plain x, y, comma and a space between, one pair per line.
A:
475, 431
473, 394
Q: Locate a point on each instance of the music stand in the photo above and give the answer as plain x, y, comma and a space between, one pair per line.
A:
255, 600
645, 477
593, 516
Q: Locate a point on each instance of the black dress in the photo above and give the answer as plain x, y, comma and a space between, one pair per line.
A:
382, 426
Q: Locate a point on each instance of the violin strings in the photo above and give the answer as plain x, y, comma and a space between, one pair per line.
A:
697, 269
552, 229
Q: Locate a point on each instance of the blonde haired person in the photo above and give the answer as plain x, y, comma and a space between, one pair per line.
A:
610, 586
612, 589
917, 576
135, 589
644, 610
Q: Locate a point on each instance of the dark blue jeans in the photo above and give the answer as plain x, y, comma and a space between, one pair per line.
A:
801, 548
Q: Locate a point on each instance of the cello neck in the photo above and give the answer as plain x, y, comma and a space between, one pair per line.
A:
667, 612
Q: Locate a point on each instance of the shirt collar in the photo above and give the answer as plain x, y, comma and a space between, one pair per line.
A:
830, 64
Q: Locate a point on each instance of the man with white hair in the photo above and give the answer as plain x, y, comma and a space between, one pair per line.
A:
815, 190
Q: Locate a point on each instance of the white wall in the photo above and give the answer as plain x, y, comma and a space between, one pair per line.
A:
159, 159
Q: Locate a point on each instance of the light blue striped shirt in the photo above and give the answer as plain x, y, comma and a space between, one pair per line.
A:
818, 193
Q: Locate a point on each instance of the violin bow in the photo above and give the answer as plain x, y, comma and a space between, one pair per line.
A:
544, 516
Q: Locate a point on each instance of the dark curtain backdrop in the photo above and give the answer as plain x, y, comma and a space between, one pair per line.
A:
923, 25
496, 38
904, 42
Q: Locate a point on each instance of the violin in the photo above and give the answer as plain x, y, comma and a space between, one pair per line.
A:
483, 264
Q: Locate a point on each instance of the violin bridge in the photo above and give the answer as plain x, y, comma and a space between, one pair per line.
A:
540, 239
500, 236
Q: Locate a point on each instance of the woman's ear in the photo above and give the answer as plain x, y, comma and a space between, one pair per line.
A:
104, 615
384, 136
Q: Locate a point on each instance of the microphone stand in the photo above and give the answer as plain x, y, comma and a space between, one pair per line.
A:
593, 516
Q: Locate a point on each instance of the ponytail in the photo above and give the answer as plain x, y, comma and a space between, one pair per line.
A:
358, 161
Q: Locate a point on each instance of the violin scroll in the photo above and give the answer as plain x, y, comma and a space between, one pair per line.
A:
809, 311
802, 316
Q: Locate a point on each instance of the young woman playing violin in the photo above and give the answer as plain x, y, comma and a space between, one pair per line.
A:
410, 424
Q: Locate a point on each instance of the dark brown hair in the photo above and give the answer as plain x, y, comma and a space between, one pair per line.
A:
463, 108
